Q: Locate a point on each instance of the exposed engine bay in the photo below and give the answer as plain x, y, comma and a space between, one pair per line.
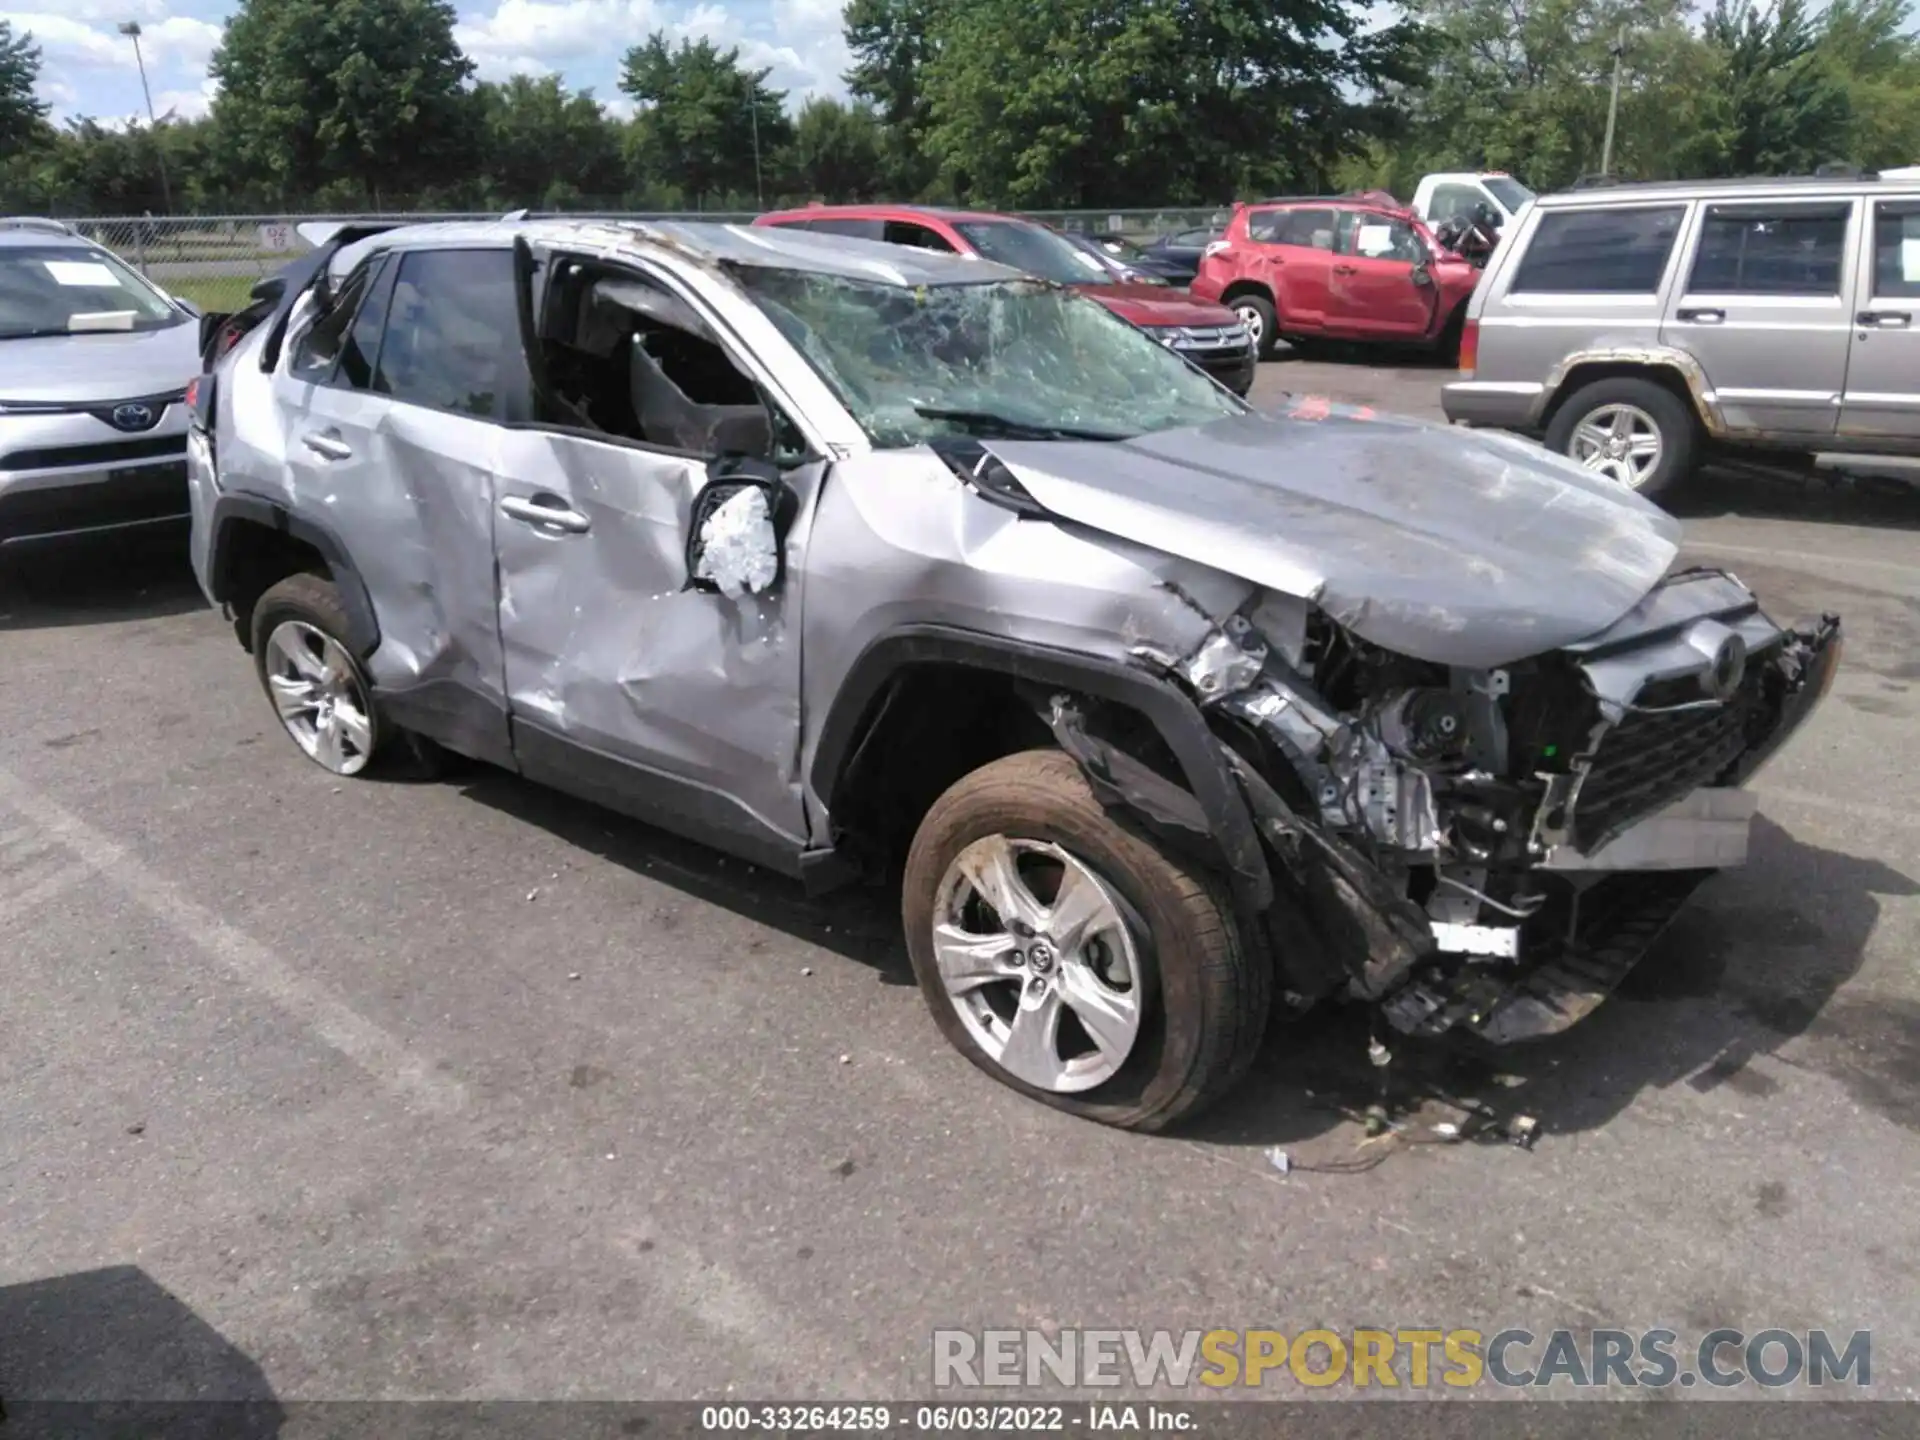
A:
1495, 848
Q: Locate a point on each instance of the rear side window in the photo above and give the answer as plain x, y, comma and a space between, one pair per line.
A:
905, 232
844, 225
318, 350
1451, 200
1311, 229
1896, 250
1770, 250
1599, 252
453, 335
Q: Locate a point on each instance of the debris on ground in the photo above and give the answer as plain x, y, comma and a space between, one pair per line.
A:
1279, 1159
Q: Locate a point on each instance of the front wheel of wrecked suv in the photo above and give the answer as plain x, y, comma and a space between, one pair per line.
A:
1071, 958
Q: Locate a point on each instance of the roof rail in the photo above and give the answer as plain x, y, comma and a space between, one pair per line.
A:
1595, 182
36, 222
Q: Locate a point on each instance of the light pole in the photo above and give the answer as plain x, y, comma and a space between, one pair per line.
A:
753, 112
1618, 50
131, 29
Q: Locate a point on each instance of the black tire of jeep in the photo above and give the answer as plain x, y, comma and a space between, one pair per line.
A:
397, 753
1209, 991
1269, 323
1679, 434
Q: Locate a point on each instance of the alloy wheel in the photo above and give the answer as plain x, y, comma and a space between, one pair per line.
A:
1621, 442
1255, 322
1037, 958
321, 700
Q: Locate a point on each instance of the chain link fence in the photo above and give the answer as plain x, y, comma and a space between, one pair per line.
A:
215, 260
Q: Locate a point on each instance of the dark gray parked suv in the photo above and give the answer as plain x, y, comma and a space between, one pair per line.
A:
1634, 326
863, 561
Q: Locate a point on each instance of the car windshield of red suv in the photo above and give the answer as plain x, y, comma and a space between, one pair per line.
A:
1036, 250
1007, 358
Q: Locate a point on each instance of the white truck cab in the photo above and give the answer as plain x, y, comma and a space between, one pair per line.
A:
1441, 197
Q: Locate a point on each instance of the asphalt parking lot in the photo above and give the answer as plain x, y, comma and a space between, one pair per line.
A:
466, 1090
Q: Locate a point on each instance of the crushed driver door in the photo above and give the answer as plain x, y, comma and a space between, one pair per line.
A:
631, 682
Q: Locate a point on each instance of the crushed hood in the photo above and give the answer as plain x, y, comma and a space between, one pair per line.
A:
1456, 546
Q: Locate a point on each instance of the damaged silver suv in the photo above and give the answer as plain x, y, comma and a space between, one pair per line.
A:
858, 561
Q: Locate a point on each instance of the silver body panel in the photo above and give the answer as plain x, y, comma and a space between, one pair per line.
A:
1196, 555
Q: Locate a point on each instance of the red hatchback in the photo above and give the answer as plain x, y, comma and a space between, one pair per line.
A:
1210, 335
1351, 268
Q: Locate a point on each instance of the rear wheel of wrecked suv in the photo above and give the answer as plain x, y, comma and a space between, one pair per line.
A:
1072, 959
318, 689
1632, 431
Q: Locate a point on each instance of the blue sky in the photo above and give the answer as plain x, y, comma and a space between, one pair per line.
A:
88, 67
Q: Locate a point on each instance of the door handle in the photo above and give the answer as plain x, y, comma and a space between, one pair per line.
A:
546, 510
1701, 317
1346, 269
327, 443
1884, 319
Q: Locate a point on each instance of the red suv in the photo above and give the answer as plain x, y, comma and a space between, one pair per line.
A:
1352, 268
1209, 335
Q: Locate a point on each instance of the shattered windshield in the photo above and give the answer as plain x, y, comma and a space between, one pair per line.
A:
1034, 249
1006, 357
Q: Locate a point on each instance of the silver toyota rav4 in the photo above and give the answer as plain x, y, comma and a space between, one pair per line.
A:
94, 365
860, 561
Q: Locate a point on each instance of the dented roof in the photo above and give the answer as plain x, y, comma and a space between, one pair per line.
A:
785, 249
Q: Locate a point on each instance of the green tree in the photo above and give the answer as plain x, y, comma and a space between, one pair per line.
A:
546, 147
702, 120
836, 151
344, 98
1776, 109
1522, 85
891, 42
23, 114
1081, 102
1869, 47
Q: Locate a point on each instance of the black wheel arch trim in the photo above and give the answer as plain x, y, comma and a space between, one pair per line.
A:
234, 509
1178, 720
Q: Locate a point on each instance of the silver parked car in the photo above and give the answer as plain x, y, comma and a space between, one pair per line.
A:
94, 365
1633, 326
856, 560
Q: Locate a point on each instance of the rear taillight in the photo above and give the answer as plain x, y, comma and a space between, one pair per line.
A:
1469, 347
193, 392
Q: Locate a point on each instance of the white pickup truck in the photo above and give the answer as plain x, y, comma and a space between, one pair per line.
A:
1441, 197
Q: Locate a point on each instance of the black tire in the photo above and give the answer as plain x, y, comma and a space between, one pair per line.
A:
1269, 322
1674, 420
396, 753
1207, 991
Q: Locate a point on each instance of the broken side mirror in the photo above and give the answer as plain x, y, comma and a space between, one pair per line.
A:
1421, 275
736, 541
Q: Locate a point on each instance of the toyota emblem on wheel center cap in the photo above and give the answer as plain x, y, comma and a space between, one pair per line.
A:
132, 416
1041, 958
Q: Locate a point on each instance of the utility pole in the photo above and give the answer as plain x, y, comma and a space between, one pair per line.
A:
753, 111
1618, 50
131, 29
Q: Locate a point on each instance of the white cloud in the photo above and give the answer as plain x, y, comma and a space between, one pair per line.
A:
66, 41
619, 107
538, 36
186, 104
